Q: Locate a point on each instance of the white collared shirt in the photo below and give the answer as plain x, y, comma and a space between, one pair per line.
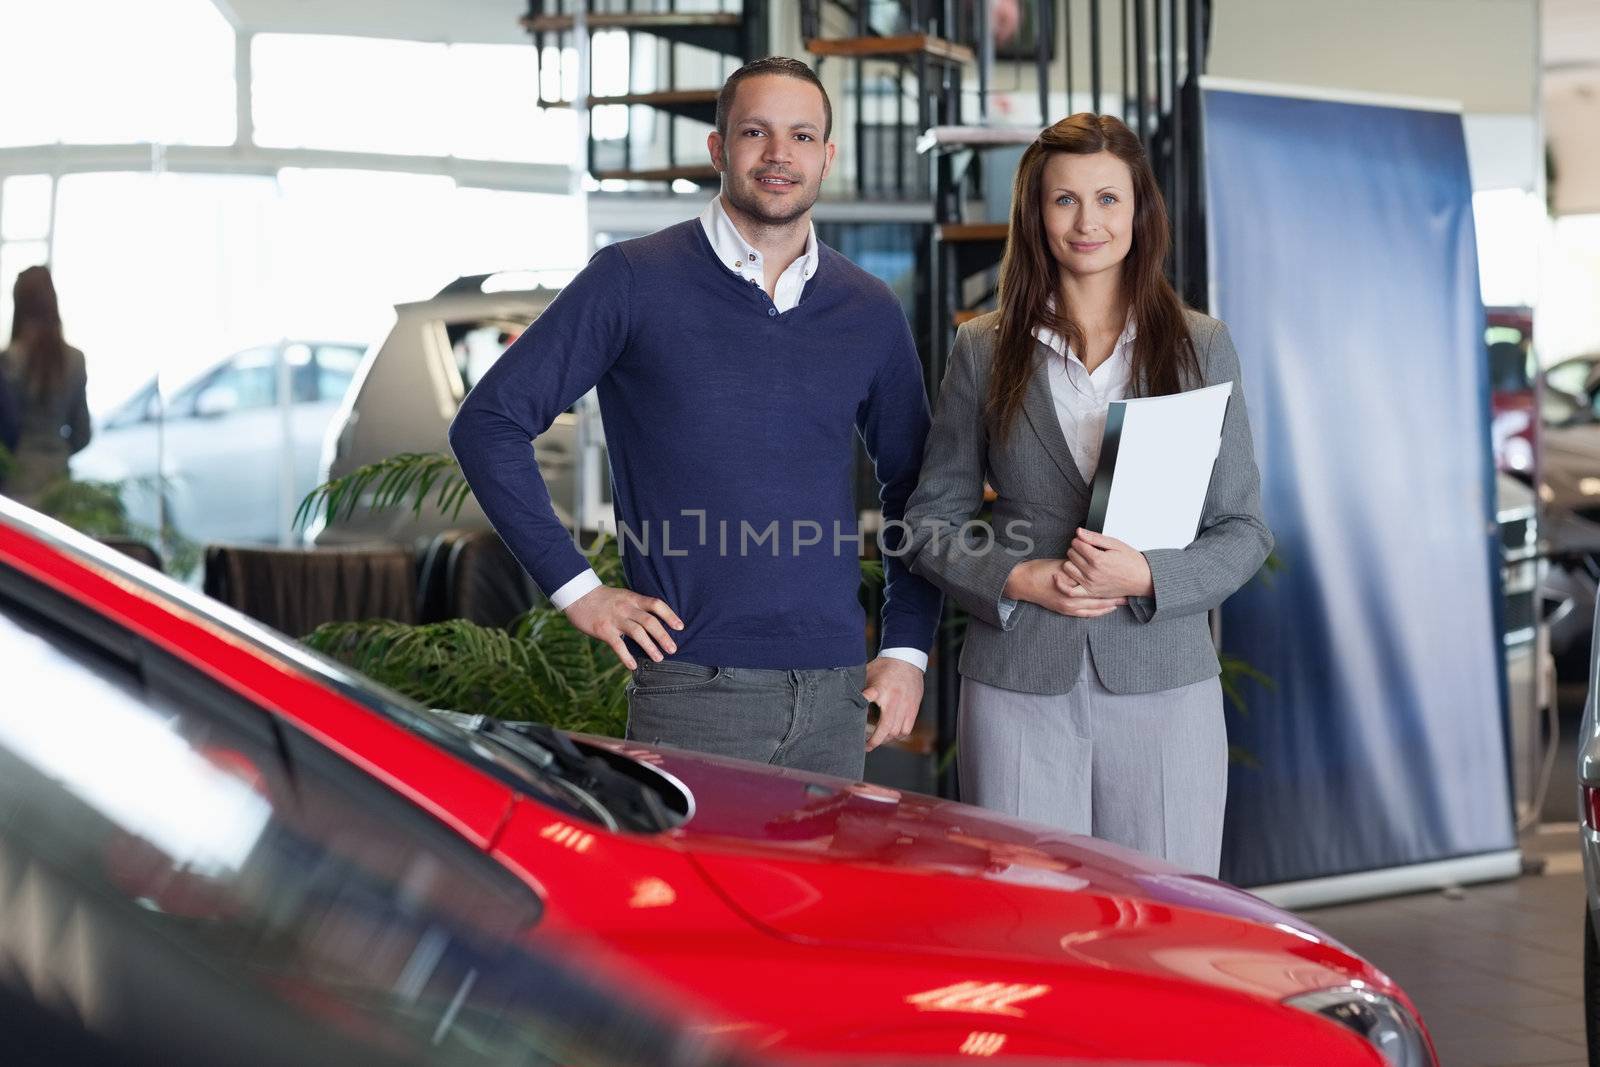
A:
739, 256
1082, 397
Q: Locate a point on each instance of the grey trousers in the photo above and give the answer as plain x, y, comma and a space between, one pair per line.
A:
1148, 770
813, 720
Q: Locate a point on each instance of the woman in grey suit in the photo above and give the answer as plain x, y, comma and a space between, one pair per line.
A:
1089, 696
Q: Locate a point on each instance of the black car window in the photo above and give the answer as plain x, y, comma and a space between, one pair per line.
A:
477, 344
336, 369
197, 859
243, 373
302, 373
143, 406
253, 378
181, 403
1509, 370
1570, 376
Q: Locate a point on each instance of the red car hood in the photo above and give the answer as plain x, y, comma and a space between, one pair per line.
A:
826, 861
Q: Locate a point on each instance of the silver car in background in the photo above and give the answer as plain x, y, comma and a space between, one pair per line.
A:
234, 462
408, 389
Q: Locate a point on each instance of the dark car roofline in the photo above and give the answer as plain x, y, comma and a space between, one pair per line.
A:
472, 284
86, 550
469, 304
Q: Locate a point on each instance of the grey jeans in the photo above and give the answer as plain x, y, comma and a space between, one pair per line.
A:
813, 720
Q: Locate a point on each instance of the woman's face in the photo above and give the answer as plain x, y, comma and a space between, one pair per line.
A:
1087, 207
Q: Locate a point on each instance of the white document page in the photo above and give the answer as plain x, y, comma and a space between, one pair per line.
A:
1165, 448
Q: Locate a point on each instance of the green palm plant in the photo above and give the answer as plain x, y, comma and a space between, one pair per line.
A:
388, 484
538, 668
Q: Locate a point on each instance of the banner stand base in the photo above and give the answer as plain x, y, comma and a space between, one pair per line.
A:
1393, 881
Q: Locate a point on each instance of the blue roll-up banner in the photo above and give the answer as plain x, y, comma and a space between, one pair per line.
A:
1344, 262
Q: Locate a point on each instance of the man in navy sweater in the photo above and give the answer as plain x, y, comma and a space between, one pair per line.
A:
736, 359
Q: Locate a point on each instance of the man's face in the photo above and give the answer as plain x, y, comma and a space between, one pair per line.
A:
774, 158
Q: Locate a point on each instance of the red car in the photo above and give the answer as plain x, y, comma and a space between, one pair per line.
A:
354, 855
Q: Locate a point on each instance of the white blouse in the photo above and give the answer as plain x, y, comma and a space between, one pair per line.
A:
1081, 397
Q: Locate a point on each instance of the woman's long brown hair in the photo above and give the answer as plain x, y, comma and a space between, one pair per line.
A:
1029, 274
36, 332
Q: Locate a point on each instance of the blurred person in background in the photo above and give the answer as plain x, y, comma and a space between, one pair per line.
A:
9, 426
45, 379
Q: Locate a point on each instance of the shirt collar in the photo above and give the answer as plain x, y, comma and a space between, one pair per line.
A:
1058, 344
736, 253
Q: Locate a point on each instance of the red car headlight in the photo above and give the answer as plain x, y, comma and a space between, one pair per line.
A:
1382, 1021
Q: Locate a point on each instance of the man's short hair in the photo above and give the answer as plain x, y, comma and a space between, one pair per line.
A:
788, 68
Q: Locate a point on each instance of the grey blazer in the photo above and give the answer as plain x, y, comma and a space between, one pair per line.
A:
1153, 643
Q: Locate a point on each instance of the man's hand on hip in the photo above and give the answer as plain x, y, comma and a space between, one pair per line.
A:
896, 687
608, 613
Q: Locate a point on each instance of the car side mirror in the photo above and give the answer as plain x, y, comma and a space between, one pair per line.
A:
218, 400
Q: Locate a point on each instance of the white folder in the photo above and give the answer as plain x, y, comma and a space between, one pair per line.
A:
1155, 467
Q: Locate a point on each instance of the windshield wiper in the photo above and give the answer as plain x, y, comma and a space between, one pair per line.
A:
620, 801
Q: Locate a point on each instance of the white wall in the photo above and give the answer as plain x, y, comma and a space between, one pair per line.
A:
1482, 53
1568, 320
1572, 107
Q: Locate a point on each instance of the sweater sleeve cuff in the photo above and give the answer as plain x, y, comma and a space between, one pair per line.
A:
586, 582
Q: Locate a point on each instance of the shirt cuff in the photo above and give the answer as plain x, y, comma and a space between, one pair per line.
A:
1005, 608
916, 657
562, 598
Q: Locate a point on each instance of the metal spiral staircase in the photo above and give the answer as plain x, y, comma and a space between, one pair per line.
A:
652, 143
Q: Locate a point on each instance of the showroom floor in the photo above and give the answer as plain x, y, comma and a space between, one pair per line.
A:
1495, 969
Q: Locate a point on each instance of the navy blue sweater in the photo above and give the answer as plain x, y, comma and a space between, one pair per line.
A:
731, 431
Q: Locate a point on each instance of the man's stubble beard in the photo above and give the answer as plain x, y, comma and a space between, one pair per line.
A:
735, 189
